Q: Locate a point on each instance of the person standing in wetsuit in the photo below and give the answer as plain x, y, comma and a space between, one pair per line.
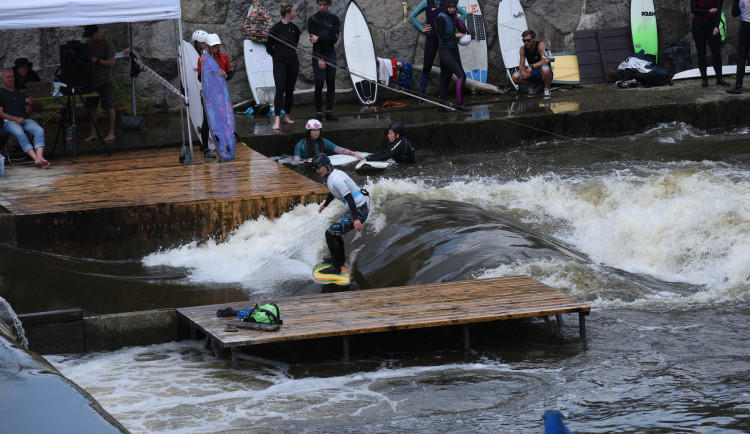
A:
342, 188
399, 147
324, 28
706, 18
450, 29
285, 61
431, 8
539, 70
741, 8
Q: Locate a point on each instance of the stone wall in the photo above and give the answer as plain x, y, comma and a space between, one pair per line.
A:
155, 42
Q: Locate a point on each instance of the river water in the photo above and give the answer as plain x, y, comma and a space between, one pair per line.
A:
652, 230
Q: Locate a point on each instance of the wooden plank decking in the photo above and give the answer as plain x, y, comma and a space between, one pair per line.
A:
389, 309
135, 202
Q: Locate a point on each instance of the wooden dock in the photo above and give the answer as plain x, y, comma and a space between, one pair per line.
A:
351, 313
135, 202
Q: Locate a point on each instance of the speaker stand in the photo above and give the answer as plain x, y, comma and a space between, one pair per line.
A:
68, 119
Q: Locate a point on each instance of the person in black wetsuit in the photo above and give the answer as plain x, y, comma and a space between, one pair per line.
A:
706, 17
324, 28
285, 61
450, 29
741, 8
539, 70
399, 147
431, 8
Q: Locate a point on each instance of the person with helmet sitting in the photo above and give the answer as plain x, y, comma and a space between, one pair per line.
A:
214, 49
313, 144
399, 147
342, 188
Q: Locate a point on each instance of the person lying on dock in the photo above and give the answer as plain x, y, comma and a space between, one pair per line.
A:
15, 108
399, 148
342, 188
313, 144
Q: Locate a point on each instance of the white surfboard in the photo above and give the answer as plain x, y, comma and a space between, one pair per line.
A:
189, 59
259, 68
696, 73
474, 55
511, 22
360, 55
373, 165
343, 160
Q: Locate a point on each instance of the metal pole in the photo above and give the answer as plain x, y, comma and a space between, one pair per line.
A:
182, 72
132, 79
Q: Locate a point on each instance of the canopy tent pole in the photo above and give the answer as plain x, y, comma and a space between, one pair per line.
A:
132, 79
184, 103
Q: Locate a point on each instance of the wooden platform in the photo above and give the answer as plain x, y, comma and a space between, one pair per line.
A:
135, 202
377, 310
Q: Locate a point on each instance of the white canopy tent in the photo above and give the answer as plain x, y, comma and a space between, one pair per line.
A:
32, 14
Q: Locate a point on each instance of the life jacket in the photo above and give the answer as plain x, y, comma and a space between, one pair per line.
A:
431, 12
450, 30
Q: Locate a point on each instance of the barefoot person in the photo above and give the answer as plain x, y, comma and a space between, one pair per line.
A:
15, 106
342, 188
281, 46
103, 58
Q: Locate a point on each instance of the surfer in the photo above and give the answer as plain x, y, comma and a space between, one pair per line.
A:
399, 148
539, 70
741, 8
431, 8
313, 144
324, 28
706, 18
213, 42
342, 188
450, 29
285, 61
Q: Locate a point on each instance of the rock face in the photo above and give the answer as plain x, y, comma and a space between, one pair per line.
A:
155, 42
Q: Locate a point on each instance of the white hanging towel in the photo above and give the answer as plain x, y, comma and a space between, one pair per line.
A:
385, 70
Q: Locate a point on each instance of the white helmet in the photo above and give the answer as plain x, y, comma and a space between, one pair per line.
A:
313, 124
199, 36
212, 39
464, 40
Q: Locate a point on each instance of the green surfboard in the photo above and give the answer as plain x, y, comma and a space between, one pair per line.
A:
643, 27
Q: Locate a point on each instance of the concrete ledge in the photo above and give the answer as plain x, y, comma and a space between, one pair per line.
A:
67, 331
111, 332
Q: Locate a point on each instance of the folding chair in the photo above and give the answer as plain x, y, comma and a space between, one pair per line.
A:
15, 158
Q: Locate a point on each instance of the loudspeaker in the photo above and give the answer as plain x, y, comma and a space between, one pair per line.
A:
76, 69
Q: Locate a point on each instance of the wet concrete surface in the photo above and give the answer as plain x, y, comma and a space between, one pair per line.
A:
495, 120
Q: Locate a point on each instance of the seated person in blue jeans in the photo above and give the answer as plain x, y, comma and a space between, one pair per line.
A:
15, 106
539, 70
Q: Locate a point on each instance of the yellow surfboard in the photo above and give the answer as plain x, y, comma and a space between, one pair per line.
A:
337, 279
565, 68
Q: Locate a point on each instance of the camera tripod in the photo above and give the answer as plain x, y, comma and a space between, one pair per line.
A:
68, 123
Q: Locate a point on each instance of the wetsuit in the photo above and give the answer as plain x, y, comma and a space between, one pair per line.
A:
741, 8
301, 148
285, 63
223, 61
401, 151
450, 59
704, 24
431, 8
343, 188
327, 28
